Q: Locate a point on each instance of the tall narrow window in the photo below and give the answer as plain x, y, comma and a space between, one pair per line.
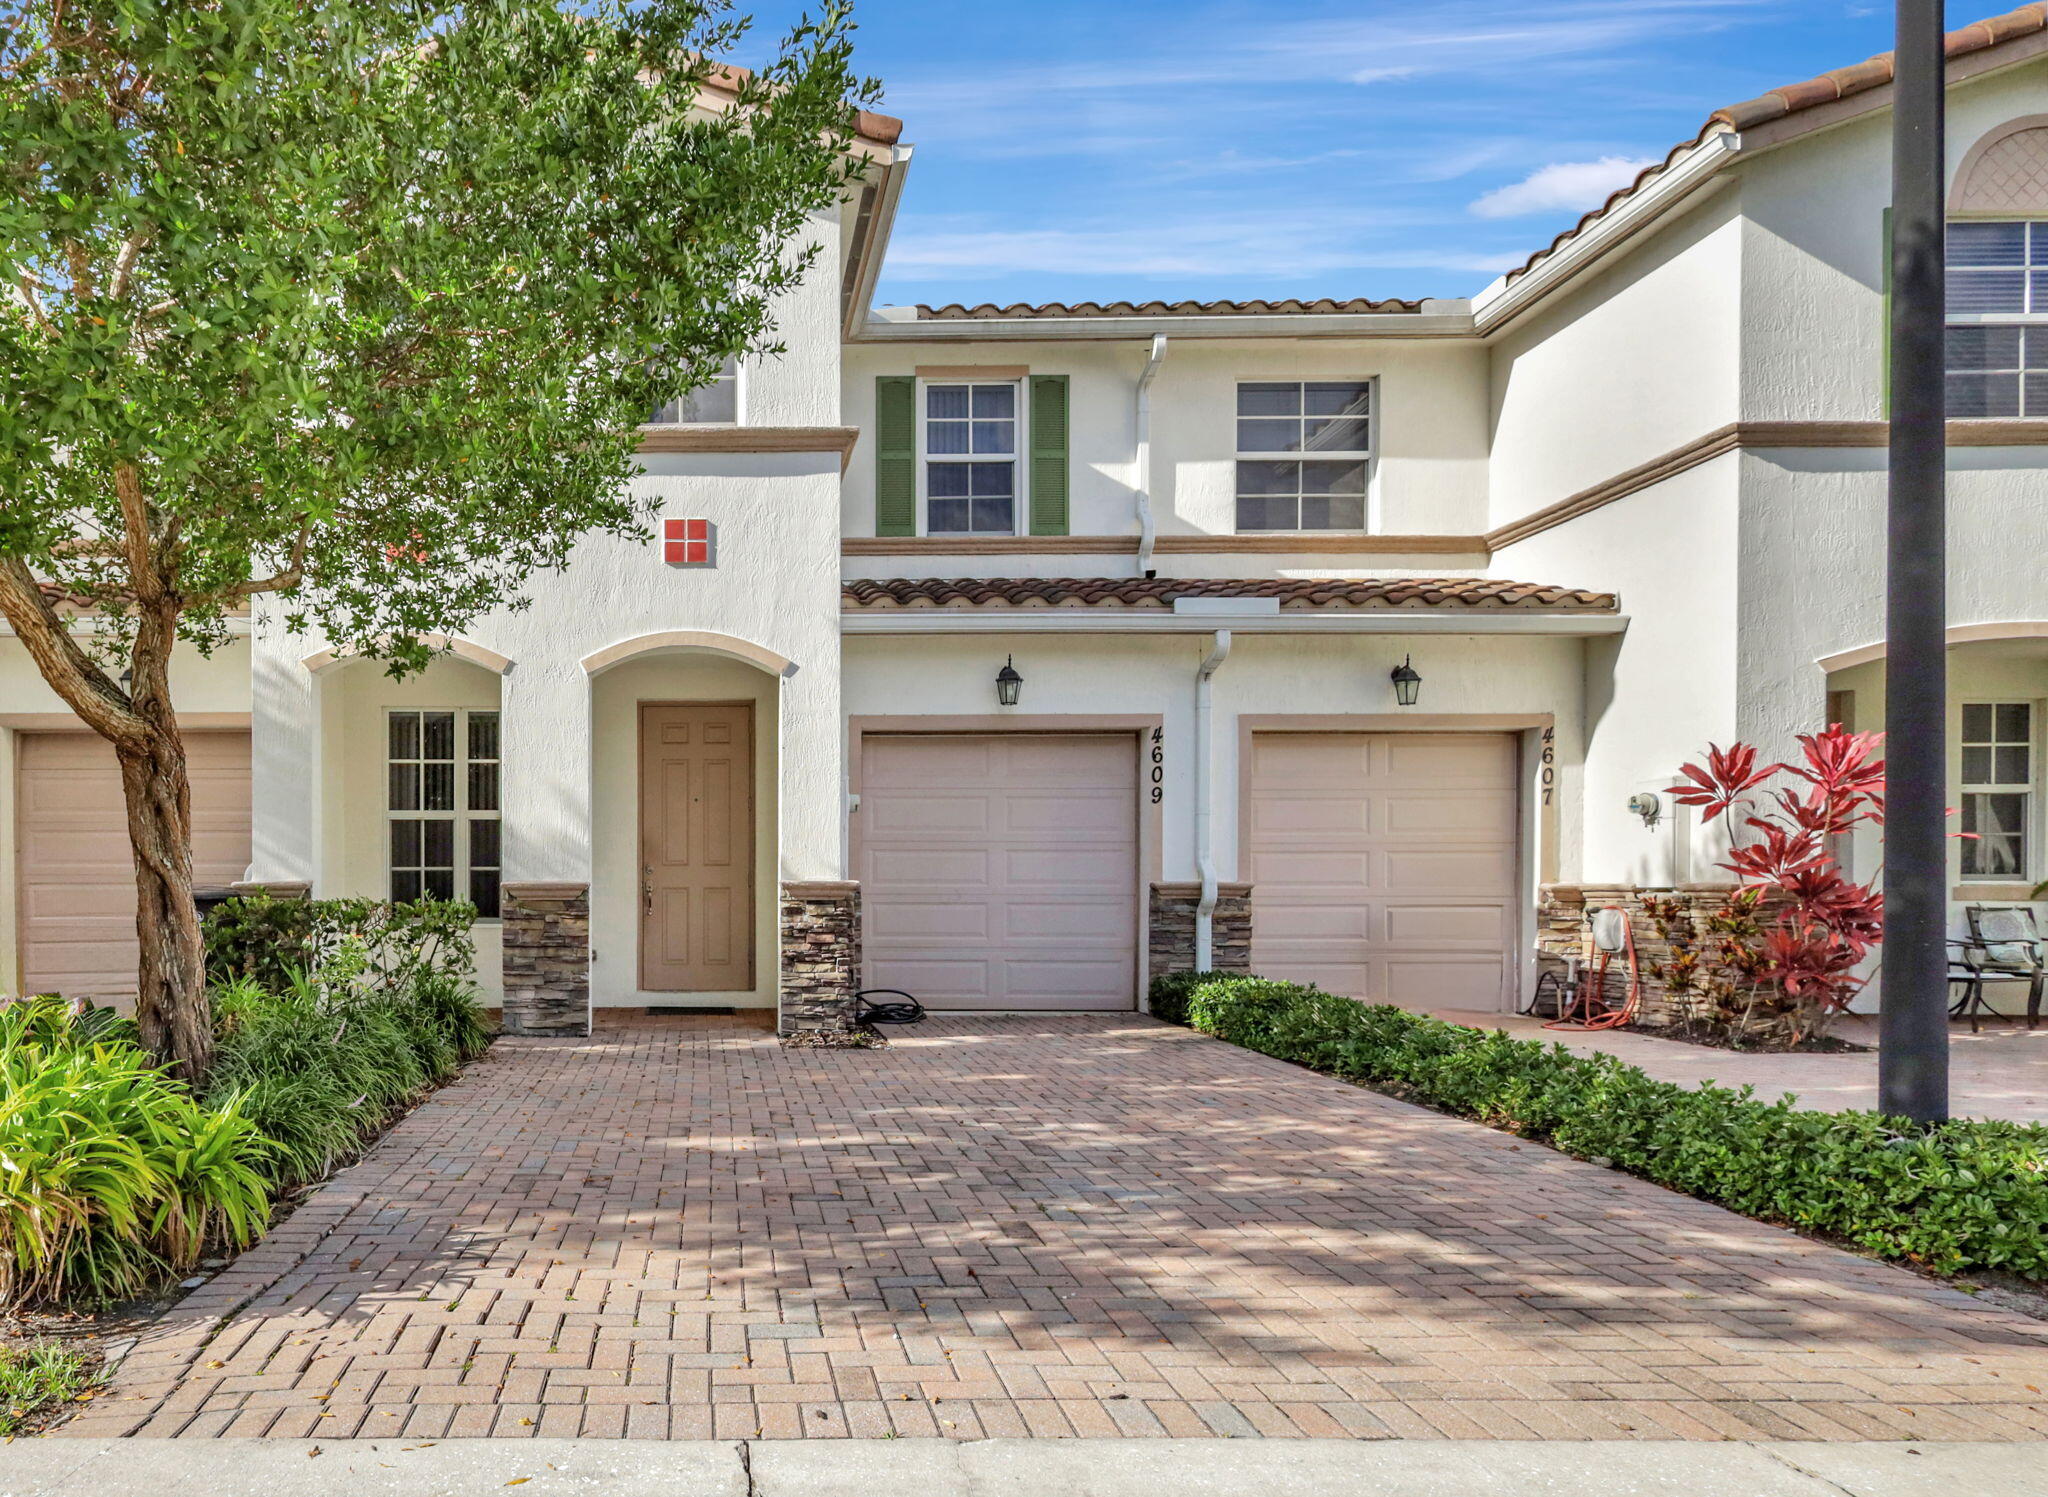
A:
1997, 318
970, 459
1998, 790
442, 806
715, 404
1304, 454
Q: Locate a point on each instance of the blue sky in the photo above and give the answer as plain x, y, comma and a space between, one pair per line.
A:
1099, 149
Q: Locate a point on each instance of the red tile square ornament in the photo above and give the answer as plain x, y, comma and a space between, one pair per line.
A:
686, 543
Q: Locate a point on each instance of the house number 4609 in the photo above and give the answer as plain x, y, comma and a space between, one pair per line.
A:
1158, 765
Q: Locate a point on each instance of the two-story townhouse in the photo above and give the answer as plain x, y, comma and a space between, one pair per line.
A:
1009, 655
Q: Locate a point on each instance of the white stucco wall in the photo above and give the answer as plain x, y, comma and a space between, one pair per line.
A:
1619, 367
1429, 477
216, 685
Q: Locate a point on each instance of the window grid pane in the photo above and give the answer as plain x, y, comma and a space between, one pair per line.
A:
1315, 418
1997, 802
443, 798
970, 451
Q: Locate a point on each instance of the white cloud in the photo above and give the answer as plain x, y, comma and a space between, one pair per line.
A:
1561, 185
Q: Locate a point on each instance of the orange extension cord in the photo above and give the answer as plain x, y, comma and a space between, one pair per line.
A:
1608, 1018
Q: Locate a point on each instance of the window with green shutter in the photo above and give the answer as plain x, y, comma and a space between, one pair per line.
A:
895, 454
1049, 464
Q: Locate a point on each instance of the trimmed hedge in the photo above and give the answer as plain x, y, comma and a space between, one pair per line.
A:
1170, 991
1963, 1195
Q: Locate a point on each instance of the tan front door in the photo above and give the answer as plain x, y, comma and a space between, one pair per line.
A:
1000, 871
696, 847
1383, 865
77, 879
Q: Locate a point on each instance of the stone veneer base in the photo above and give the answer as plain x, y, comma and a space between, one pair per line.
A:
1170, 941
547, 959
820, 966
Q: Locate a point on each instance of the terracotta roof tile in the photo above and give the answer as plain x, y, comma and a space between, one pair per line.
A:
1838, 83
1159, 593
957, 312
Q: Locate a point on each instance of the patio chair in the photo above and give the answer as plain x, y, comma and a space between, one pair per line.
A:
2004, 945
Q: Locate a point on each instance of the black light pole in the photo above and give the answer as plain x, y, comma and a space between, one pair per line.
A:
1912, 1058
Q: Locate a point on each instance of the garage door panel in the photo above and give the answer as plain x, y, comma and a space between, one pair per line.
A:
1385, 865
1045, 914
76, 885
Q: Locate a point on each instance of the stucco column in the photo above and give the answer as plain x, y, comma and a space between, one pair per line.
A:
545, 739
285, 760
811, 771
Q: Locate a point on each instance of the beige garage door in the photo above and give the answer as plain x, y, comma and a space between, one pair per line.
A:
1383, 864
77, 878
1001, 871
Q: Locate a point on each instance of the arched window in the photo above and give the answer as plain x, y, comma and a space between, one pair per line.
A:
1998, 275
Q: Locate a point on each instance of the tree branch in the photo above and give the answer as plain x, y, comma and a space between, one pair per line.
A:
26, 285
124, 264
99, 703
294, 570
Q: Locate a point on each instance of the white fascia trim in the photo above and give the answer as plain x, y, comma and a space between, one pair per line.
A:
1099, 621
860, 306
1697, 170
1125, 329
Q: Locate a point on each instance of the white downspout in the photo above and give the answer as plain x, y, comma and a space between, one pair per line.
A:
1146, 529
1205, 863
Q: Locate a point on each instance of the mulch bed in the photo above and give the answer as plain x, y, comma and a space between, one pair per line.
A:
1714, 1039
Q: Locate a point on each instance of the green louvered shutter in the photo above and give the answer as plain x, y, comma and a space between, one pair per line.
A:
895, 454
1048, 454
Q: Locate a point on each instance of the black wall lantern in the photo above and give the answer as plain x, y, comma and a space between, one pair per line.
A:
1008, 683
1407, 683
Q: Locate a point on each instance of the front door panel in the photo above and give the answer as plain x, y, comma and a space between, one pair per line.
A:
696, 847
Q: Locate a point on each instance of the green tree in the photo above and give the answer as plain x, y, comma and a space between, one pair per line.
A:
353, 306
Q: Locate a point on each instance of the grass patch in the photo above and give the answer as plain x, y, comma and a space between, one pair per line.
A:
36, 1378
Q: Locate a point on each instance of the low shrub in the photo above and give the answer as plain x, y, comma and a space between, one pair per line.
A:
318, 1068
111, 1174
1168, 995
1960, 1196
378, 944
34, 1377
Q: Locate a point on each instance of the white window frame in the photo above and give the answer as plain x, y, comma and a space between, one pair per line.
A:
2030, 814
462, 816
735, 373
1020, 499
1369, 519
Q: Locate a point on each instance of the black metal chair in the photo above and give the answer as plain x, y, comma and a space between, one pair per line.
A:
2004, 945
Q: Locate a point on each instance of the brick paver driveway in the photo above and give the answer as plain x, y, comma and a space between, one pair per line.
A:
1061, 1226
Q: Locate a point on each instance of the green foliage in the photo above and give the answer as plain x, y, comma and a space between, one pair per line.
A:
111, 1175
320, 1069
1964, 1195
361, 301
371, 943
33, 1376
1168, 996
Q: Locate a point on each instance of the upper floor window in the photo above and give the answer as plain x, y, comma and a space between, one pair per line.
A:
969, 442
715, 404
1998, 318
1998, 790
1304, 454
442, 806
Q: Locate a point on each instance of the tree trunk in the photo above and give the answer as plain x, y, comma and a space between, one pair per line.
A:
171, 1006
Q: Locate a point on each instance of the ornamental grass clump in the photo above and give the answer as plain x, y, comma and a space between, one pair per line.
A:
1964, 1195
111, 1175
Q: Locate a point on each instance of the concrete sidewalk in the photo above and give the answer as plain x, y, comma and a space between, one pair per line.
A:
148, 1467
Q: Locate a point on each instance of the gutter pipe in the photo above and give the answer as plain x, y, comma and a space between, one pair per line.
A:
1146, 529
1205, 864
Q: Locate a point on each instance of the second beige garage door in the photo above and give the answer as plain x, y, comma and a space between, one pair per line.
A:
77, 876
1383, 864
1000, 871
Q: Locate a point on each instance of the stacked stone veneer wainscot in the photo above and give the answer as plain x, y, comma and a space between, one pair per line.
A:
820, 964
1171, 941
547, 958
1561, 929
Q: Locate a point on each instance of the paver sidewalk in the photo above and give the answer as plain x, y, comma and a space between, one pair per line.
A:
1064, 1226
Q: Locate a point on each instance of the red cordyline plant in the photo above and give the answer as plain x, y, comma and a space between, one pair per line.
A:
1780, 959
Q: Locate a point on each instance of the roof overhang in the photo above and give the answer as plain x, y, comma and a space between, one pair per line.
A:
1162, 621
1454, 320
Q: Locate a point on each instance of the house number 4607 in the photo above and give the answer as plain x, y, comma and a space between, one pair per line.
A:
1158, 765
